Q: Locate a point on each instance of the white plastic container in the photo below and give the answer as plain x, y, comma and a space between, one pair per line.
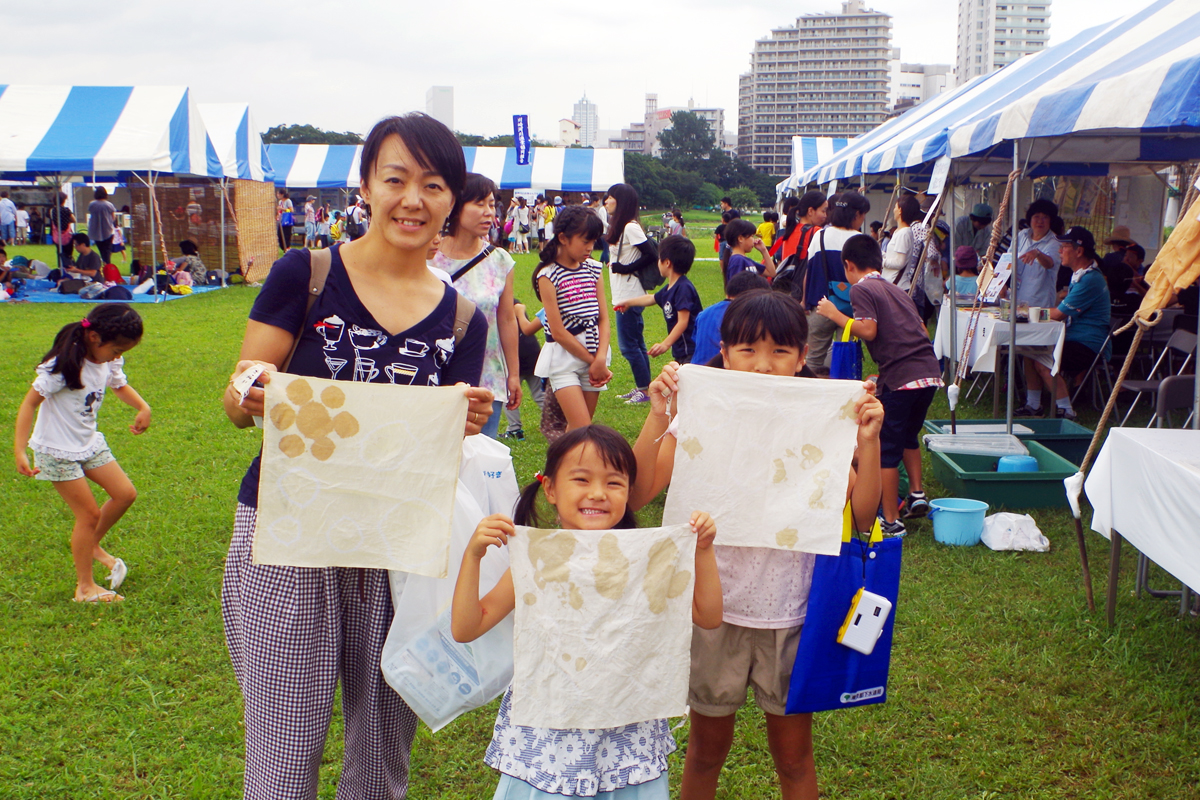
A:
977, 444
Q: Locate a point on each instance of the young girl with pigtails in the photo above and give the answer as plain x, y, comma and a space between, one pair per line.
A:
85, 362
587, 480
576, 357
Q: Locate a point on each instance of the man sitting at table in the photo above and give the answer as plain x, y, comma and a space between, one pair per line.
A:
1087, 310
89, 265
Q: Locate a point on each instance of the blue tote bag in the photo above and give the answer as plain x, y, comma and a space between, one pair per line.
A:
828, 675
845, 356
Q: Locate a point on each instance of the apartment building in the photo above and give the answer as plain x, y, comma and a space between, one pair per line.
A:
827, 75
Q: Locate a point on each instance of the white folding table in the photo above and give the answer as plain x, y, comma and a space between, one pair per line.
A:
1145, 487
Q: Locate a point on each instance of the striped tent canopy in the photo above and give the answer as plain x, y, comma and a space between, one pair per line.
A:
237, 141
1120, 93
808, 152
102, 130
550, 168
315, 166
327, 166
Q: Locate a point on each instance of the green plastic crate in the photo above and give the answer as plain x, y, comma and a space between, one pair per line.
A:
976, 477
1069, 439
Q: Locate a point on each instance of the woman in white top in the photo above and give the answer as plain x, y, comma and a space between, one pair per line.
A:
630, 251
1037, 257
847, 212
895, 260
488, 283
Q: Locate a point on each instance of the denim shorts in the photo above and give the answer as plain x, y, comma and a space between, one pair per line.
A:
58, 470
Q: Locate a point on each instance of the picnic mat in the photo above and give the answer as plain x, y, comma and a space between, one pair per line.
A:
53, 296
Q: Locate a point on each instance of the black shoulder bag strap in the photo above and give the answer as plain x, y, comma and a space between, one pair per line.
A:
319, 263
467, 267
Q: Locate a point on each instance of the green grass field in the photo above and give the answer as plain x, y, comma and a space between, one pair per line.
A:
1002, 684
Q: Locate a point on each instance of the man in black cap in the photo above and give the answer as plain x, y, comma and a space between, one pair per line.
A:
1087, 310
975, 229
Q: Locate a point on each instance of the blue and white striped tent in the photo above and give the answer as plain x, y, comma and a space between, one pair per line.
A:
315, 166
549, 168
1125, 92
808, 152
102, 131
325, 166
237, 141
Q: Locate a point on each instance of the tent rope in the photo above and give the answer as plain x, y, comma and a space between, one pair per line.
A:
162, 239
998, 226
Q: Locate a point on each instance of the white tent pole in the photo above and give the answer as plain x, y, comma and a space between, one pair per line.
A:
1012, 295
223, 180
952, 295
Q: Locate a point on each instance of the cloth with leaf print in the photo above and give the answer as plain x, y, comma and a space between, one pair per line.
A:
603, 625
767, 456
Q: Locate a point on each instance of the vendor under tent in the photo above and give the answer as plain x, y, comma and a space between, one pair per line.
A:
329, 166
114, 132
1120, 98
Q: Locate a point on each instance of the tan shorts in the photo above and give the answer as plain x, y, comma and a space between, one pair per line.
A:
731, 658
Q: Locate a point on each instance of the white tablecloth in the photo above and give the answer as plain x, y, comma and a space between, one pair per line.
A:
1146, 486
991, 333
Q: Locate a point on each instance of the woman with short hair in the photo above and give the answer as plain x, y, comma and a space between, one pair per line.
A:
293, 633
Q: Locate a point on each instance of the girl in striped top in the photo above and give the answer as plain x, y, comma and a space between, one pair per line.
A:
576, 357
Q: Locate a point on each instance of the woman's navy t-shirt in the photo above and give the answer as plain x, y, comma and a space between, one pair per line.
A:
342, 341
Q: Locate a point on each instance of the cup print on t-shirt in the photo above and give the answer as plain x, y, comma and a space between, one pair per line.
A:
374, 353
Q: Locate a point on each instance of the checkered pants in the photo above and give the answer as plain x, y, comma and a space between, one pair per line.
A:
292, 632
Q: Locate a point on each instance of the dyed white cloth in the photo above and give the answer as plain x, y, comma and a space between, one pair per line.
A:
603, 625
358, 474
767, 456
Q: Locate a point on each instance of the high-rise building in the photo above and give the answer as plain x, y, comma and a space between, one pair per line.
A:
828, 75
995, 33
439, 104
588, 117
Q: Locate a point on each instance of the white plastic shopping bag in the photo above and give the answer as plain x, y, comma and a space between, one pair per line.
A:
1014, 532
438, 677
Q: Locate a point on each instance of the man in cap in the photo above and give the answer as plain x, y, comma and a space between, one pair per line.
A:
975, 229
1088, 311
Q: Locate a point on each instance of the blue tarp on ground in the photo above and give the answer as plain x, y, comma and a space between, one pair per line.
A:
52, 296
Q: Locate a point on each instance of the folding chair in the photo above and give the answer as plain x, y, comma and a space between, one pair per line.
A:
1091, 378
1175, 392
1181, 342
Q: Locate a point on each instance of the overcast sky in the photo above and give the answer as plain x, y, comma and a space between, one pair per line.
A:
342, 65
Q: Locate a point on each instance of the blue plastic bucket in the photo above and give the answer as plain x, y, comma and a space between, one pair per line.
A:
957, 521
1017, 464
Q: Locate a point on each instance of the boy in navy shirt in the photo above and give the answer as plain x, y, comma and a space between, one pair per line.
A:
679, 300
